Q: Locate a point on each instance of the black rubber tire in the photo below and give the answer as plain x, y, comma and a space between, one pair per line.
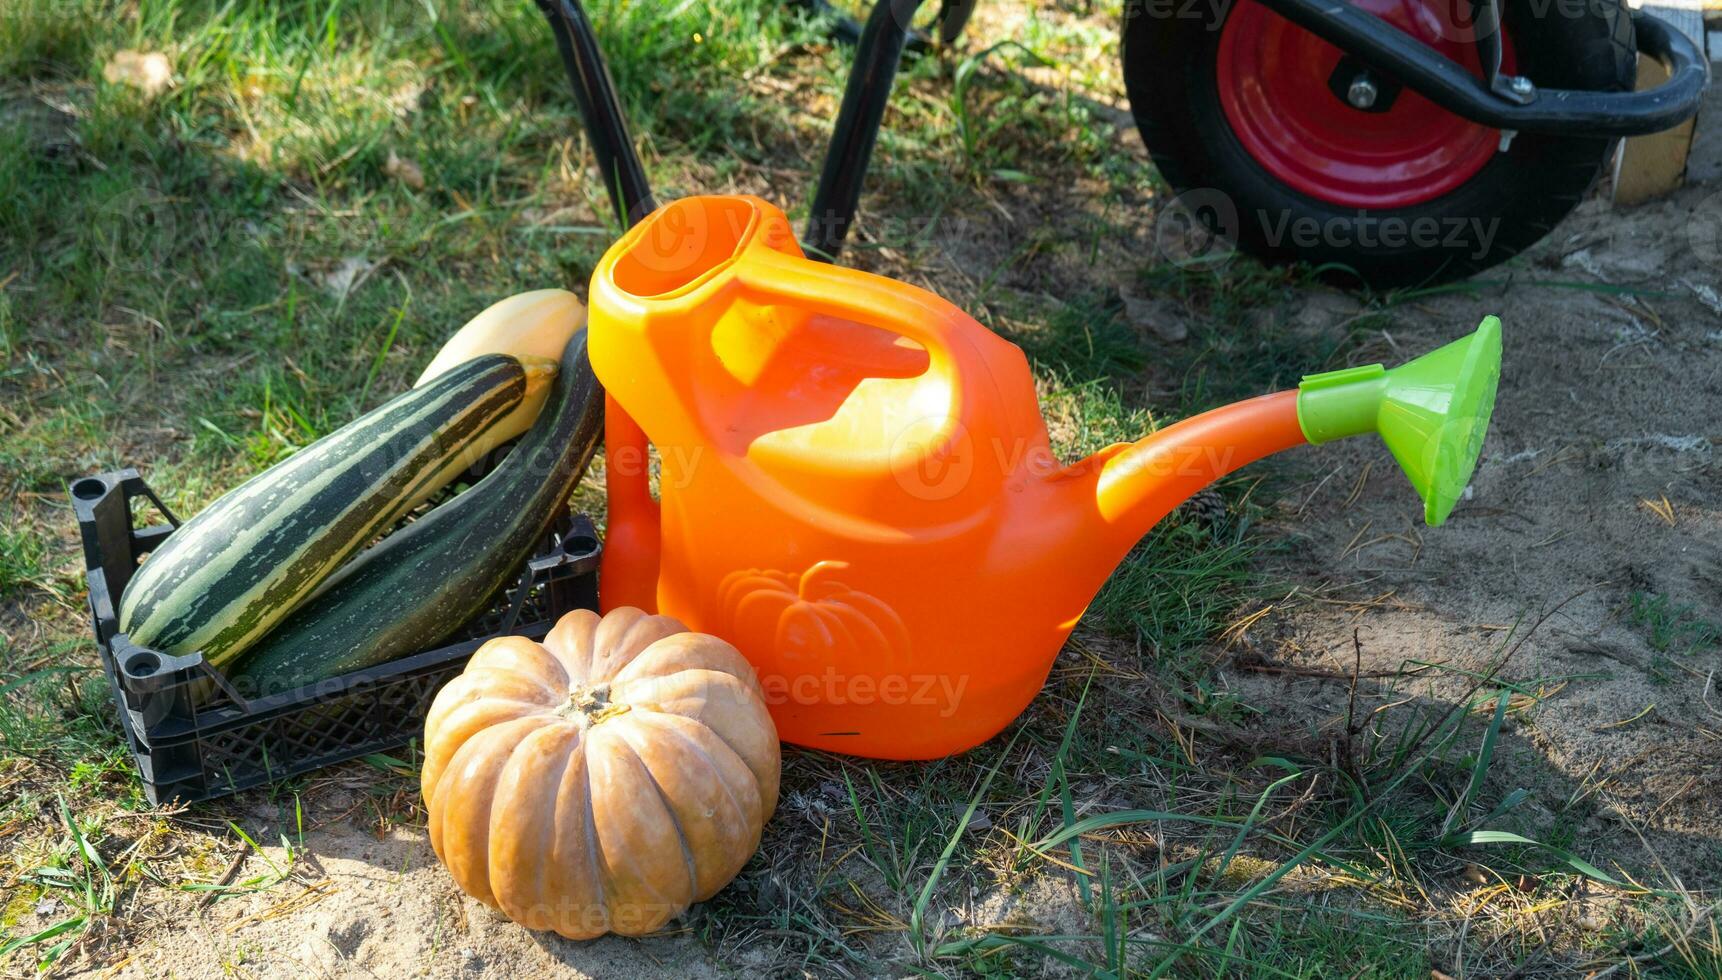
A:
1512, 202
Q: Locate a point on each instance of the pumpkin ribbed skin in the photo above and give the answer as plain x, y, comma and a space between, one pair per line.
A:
604, 780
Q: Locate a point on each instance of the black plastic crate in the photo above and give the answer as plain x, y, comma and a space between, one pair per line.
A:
195, 738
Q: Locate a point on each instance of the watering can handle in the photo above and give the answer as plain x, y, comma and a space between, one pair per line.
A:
862, 297
632, 535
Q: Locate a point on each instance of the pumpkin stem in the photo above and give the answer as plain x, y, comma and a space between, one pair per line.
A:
818, 567
587, 706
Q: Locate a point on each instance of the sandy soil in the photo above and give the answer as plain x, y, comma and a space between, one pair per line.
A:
1599, 484
360, 905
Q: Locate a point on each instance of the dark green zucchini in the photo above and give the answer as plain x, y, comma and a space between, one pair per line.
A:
425, 581
232, 572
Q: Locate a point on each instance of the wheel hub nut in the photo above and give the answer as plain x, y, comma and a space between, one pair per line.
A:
1361, 93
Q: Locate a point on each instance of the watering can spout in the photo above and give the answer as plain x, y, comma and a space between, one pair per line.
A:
1136, 484
1432, 412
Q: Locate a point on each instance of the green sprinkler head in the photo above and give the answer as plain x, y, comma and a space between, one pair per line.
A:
1432, 412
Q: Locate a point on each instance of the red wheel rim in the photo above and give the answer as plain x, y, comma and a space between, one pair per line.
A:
1274, 89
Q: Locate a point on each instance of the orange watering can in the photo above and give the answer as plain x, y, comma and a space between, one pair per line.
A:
857, 489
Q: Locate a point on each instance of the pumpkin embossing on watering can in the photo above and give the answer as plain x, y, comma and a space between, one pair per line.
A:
857, 489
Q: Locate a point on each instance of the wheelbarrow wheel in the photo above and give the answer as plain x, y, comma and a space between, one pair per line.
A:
1286, 146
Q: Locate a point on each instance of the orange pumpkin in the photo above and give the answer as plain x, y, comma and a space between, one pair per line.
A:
603, 780
811, 618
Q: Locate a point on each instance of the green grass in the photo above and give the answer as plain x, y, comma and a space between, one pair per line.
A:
201, 282
74, 877
24, 560
1670, 627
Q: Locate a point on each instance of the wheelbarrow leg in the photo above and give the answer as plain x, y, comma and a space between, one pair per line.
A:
857, 129
606, 128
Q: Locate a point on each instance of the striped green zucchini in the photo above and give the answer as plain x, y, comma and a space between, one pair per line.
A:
232, 572
425, 581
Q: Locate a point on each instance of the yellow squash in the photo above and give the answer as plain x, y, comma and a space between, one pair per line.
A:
537, 324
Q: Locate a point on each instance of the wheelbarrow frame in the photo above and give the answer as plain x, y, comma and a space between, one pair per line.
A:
1498, 100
